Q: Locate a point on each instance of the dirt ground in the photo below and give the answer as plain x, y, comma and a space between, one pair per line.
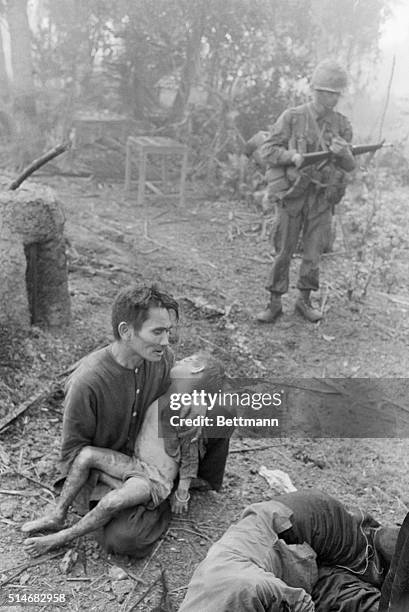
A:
208, 256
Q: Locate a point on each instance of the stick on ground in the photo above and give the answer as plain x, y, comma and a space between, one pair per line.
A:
37, 163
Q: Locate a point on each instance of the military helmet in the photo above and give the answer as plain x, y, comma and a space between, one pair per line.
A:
329, 76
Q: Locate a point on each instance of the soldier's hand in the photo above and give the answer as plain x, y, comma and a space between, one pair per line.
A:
339, 146
297, 159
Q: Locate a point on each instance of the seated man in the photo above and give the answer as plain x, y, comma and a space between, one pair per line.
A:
352, 552
106, 399
148, 476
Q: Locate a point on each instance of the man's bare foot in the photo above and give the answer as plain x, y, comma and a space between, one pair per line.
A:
53, 521
41, 544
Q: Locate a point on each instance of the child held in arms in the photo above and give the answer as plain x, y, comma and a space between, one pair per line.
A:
148, 476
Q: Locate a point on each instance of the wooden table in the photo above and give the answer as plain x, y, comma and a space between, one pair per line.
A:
154, 145
89, 128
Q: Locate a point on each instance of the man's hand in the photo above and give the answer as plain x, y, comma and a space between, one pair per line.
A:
339, 146
297, 159
179, 502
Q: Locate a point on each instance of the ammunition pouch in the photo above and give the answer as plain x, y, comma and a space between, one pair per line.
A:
299, 181
336, 183
278, 183
286, 183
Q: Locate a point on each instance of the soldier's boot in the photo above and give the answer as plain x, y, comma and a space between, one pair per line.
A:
273, 310
303, 306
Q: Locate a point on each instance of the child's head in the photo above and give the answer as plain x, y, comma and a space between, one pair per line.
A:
198, 371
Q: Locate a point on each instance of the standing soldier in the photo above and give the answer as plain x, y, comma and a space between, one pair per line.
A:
306, 196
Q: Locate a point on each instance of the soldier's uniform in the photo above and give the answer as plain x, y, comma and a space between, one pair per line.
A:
312, 209
306, 200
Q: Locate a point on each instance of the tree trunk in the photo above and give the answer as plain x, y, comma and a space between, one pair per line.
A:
28, 140
20, 51
4, 80
191, 65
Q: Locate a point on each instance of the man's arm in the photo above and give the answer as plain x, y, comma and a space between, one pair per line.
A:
275, 150
339, 146
79, 422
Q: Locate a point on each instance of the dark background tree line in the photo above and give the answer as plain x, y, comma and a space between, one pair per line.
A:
244, 57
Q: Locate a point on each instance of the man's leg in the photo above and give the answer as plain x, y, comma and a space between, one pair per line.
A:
313, 243
278, 281
135, 531
89, 457
134, 491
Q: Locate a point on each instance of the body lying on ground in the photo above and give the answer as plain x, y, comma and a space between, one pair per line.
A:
256, 565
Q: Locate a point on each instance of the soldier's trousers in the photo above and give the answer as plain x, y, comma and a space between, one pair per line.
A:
314, 234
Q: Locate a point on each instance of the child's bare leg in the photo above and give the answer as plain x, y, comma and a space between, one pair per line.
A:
89, 457
134, 491
114, 483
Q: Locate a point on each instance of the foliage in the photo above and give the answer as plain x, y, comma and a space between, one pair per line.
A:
250, 57
374, 233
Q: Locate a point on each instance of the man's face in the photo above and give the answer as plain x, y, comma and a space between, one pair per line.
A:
327, 100
150, 340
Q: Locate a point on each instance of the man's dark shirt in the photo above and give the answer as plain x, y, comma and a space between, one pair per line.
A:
105, 403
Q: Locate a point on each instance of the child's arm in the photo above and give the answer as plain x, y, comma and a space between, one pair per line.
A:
188, 468
189, 440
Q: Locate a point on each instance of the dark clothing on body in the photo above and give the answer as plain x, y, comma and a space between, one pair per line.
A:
395, 589
105, 403
314, 515
255, 565
350, 569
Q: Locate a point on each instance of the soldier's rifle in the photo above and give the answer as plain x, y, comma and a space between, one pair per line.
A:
322, 157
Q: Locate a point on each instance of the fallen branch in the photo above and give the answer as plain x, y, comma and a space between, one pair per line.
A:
194, 532
83, 268
149, 252
182, 588
23, 566
165, 246
34, 399
256, 259
34, 481
200, 303
41, 395
382, 398
37, 163
14, 492
142, 597
154, 552
394, 298
216, 346
251, 449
